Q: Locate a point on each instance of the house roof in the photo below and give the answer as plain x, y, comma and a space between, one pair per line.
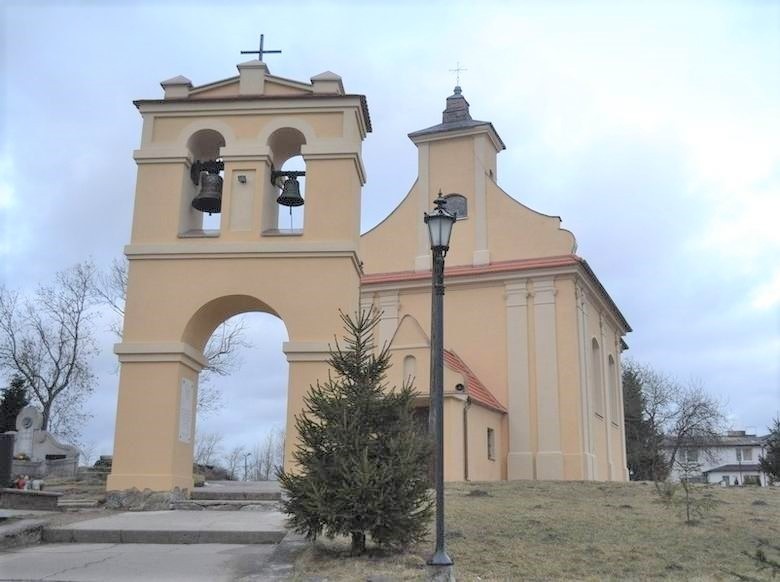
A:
475, 389
719, 441
744, 467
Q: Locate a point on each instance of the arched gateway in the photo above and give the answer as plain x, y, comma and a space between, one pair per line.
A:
186, 277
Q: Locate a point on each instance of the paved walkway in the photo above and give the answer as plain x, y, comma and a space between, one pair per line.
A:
163, 546
146, 562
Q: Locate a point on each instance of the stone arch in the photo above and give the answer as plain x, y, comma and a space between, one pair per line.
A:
214, 312
220, 127
300, 125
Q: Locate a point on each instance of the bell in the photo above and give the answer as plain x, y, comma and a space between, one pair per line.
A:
291, 193
210, 197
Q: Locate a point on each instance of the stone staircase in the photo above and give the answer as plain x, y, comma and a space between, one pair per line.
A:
233, 496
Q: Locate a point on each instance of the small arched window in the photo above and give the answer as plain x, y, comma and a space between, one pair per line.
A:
596, 380
410, 367
614, 396
457, 204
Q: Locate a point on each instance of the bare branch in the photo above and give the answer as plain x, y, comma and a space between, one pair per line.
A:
48, 341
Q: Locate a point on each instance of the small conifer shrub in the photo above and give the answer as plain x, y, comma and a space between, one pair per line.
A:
361, 461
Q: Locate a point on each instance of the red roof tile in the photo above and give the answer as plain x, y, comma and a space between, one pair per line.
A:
475, 389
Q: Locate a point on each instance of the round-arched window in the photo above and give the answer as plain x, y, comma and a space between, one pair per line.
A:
457, 204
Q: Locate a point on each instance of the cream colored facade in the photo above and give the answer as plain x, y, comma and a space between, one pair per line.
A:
533, 341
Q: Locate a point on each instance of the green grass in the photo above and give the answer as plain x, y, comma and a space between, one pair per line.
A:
580, 531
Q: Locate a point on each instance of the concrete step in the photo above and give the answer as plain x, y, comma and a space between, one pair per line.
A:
212, 495
226, 505
174, 527
76, 504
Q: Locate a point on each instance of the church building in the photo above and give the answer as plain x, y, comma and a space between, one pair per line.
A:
533, 341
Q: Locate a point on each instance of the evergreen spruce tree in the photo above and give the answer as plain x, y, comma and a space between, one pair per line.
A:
770, 462
361, 460
13, 399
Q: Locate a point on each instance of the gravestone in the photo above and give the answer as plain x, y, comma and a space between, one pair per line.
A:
42, 454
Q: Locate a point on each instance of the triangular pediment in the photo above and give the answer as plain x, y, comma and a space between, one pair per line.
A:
409, 334
273, 87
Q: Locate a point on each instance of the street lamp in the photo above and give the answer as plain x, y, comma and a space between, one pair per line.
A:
439, 228
246, 466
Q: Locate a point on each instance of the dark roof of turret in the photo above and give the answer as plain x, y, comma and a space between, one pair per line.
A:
455, 117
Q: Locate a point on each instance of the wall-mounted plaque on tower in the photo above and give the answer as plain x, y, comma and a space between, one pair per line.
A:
185, 410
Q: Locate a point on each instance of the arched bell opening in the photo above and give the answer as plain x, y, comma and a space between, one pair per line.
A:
283, 207
202, 195
242, 394
291, 210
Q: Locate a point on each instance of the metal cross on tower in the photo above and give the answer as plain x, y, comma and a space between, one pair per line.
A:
457, 71
259, 52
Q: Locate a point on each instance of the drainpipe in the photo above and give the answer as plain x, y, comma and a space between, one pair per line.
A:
466, 407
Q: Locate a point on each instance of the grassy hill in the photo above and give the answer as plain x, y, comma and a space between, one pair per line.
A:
582, 531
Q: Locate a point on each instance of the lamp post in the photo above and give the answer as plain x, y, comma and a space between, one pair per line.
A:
246, 466
439, 228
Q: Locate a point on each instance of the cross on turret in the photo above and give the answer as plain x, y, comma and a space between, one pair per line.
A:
457, 70
260, 52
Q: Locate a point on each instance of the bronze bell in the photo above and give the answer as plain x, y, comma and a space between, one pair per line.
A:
291, 193
210, 197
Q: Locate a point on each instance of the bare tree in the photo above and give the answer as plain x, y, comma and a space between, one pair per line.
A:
48, 341
208, 448
681, 416
697, 421
233, 462
87, 451
222, 352
268, 456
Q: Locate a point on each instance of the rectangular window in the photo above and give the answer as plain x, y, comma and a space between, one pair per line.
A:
491, 444
690, 455
745, 454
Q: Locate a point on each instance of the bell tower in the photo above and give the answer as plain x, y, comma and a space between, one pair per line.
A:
208, 242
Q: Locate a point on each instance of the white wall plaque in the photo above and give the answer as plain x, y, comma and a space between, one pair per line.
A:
185, 410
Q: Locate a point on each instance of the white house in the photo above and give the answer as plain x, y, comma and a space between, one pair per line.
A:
731, 459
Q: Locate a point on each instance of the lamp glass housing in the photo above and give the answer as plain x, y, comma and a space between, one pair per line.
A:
440, 225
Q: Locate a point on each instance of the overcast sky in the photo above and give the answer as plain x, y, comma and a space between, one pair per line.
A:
652, 129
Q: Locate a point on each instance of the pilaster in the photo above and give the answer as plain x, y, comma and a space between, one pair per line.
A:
422, 261
481, 250
585, 408
549, 458
607, 397
520, 459
389, 306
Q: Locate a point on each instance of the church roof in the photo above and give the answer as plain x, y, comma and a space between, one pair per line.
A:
475, 389
503, 267
456, 117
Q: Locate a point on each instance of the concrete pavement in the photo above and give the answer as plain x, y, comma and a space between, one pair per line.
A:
133, 562
163, 545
